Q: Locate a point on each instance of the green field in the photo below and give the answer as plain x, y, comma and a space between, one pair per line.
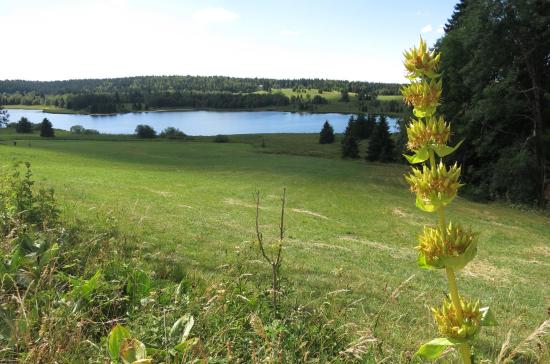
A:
351, 226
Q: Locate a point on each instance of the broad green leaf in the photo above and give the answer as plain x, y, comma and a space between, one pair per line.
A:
460, 261
443, 150
186, 345
116, 336
434, 348
421, 113
423, 206
139, 284
176, 327
188, 328
91, 285
487, 317
132, 350
422, 263
419, 156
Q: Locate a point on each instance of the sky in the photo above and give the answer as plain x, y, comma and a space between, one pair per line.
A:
360, 40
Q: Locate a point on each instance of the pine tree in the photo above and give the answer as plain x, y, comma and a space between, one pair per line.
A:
46, 129
326, 136
381, 146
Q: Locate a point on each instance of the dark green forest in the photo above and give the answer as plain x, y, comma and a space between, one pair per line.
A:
496, 75
143, 93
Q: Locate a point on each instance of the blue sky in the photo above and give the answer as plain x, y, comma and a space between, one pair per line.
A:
353, 40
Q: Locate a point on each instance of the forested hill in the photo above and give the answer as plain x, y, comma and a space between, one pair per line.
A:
200, 92
157, 84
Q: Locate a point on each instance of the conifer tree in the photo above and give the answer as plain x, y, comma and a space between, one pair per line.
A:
326, 136
370, 124
381, 146
46, 129
350, 148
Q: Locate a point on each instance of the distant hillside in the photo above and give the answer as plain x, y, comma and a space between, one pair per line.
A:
199, 92
154, 84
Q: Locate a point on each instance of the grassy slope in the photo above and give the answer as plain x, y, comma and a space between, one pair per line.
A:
351, 225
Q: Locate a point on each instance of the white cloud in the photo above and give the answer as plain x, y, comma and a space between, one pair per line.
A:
214, 15
440, 29
289, 33
426, 29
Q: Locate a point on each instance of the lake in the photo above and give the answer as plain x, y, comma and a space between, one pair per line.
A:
196, 122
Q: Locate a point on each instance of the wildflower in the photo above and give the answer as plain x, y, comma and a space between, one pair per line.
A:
435, 131
424, 96
420, 62
451, 247
435, 187
449, 324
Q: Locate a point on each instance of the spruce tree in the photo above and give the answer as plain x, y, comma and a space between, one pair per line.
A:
350, 148
46, 129
362, 127
370, 124
381, 146
326, 136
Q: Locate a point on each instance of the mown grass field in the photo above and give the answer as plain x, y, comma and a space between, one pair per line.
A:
351, 226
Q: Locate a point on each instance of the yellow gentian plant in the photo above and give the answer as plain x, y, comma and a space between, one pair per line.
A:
444, 246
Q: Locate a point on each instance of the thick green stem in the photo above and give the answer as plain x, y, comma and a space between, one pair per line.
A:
465, 353
453, 290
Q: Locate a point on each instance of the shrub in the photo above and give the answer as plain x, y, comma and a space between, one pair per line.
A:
24, 126
319, 100
77, 129
145, 132
221, 138
20, 204
46, 129
326, 136
172, 133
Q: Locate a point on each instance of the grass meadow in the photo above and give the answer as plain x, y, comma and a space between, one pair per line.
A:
351, 226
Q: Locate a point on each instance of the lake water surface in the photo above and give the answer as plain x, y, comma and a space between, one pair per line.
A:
196, 122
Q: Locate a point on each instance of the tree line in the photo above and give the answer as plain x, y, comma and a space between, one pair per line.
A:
160, 84
142, 93
381, 147
495, 66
